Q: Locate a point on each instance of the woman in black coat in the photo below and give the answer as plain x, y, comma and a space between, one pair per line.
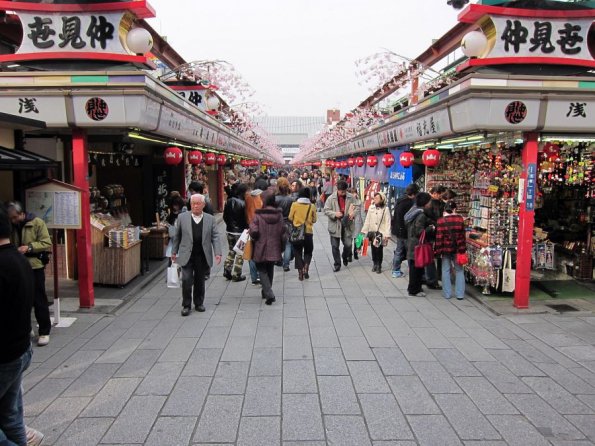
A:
269, 234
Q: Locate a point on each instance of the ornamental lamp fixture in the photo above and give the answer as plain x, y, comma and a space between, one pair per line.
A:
474, 44
139, 41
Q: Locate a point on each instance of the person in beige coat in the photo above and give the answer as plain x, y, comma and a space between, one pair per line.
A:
377, 229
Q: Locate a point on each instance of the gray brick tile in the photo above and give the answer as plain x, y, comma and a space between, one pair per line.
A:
527, 351
517, 431
173, 431
432, 337
586, 423
337, 395
453, 361
435, 377
91, 382
244, 327
329, 361
112, 398
58, 415
392, 361
203, 362
187, 397
296, 347
412, 396
502, 378
302, 419
119, 351
356, 349
449, 329
84, 431
589, 400
567, 379
295, 327
263, 396
299, 377
432, 430
76, 364
347, 328
414, 349
547, 421
557, 396
161, 379
384, 417
135, 421
516, 363
346, 430
367, 377
486, 339
191, 328
266, 362
213, 337
138, 364
467, 421
230, 378
485, 396
220, 419
260, 431
324, 337
378, 336
178, 350
238, 349
471, 349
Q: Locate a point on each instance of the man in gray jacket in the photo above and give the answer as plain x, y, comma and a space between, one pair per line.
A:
340, 208
195, 239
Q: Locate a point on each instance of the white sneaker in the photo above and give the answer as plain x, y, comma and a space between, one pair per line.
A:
34, 437
43, 340
420, 294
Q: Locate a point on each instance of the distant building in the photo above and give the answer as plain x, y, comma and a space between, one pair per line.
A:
289, 132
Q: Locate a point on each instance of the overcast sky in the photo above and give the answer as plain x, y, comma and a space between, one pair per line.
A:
299, 55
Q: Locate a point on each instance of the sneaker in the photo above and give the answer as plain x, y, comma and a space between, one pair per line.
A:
43, 340
420, 294
256, 282
34, 437
397, 274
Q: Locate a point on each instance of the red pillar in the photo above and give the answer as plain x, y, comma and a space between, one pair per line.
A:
80, 162
526, 221
220, 182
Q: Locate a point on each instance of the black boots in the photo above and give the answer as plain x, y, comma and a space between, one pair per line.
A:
377, 268
306, 273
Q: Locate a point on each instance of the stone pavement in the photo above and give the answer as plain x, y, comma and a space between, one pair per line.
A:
339, 359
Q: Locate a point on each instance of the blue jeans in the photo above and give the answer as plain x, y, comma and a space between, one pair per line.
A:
447, 261
12, 426
400, 253
287, 254
253, 271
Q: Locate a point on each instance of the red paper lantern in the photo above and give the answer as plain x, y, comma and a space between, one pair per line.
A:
372, 161
210, 159
330, 164
221, 159
351, 162
244, 163
359, 161
194, 157
431, 158
406, 159
551, 152
173, 156
344, 164
316, 164
254, 163
388, 159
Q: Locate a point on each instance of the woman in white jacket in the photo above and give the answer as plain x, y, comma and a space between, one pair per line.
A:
377, 229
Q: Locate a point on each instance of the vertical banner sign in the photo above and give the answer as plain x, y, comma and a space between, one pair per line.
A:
531, 179
399, 176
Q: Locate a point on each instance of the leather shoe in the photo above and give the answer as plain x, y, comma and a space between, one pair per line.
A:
238, 279
200, 308
286, 268
337, 268
270, 301
434, 286
185, 311
227, 275
345, 262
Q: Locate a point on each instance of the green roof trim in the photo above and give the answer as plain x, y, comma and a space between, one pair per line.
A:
586, 84
89, 79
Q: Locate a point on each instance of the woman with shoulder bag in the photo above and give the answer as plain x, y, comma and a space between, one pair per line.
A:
303, 212
451, 246
377, 229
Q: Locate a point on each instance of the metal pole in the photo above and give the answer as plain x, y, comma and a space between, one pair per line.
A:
55, 268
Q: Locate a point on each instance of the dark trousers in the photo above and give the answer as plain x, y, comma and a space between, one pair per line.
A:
40, 303
415, 278
303, 251
12, 426
377, 254
266, 271
336, 242
193, 282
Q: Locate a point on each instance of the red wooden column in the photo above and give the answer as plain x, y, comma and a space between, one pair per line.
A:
528, 183
80, 162
220, 182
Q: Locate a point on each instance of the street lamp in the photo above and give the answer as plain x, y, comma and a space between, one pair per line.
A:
457, 4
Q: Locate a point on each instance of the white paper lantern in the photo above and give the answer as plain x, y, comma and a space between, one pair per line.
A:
213, 102
139, 40
474, 44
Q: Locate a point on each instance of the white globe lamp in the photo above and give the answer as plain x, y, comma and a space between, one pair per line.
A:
139, 40
213, 102
474, 44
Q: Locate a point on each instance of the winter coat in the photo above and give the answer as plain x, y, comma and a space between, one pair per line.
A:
284, 203
415, 225
450, 235
360, 216
33, 233
234, 215
298, 212
252, 203
398, 222
335, 225
377, 220
269, 234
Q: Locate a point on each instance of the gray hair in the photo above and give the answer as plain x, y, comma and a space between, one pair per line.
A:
18, 207
197, 197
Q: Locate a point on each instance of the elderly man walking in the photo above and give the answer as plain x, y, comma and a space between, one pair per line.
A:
195, 239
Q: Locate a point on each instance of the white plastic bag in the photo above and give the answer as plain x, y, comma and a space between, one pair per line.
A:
241, 243
173, 276
508, 275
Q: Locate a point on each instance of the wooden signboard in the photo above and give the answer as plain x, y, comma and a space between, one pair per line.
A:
56, 203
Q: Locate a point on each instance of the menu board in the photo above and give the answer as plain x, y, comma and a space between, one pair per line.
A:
57, 204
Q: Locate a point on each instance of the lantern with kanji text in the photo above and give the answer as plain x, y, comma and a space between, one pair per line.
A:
406, 159
194, 157
359, 161
173, 156
431, 158
372, 161
317, 164
330, 164
210, 159
244, 163
343, 164
221, 159
388, 159
350, 162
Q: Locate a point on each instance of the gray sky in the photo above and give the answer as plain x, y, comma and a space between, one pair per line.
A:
299, 55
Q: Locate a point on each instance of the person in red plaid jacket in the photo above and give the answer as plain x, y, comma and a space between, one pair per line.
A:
450, 241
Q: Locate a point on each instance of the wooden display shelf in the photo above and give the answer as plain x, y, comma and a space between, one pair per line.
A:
114, 266
156, 244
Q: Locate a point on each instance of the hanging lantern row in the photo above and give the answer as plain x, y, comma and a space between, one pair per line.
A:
248, 163
431, 158
388, 159
371, 161
406, 159
174, 156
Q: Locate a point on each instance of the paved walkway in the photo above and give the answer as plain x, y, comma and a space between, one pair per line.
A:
340, 359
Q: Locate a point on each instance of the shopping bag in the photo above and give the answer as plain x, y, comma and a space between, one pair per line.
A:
173, 276
423, 253
365, 247
508, 275
248, 249
241, 243
462, 258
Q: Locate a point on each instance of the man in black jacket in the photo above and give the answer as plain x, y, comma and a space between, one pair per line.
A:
16, 300
398, 227
234, 216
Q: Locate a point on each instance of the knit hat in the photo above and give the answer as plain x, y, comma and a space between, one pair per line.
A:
256, 192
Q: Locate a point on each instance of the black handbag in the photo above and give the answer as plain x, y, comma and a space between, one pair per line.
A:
298, 233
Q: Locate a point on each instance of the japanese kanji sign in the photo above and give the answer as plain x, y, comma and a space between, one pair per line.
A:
426, 127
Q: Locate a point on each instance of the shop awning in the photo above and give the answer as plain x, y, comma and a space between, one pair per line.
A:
19, 123
23, 160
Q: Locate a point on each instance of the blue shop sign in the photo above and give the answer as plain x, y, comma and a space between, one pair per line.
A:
399, 176
531, 180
